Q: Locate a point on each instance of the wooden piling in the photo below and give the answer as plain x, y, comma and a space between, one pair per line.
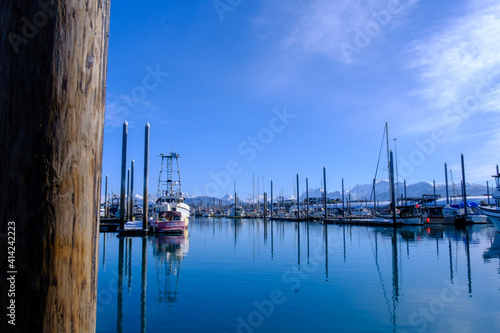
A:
52, 100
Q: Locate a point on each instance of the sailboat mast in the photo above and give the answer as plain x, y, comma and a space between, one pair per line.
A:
391, 182
397, 170
389, 165
258, 194
446, 182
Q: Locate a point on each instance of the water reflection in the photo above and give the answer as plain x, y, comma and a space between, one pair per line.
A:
493, 252
119, 310
341, 259
169, 251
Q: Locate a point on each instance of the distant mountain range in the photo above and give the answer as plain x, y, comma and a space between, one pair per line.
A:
362, 192
359, 192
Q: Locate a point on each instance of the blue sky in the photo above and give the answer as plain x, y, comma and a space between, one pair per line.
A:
273, 89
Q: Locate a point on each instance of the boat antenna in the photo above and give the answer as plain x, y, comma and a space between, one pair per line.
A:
171, 141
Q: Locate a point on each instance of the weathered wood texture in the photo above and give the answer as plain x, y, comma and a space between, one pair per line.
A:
53, 60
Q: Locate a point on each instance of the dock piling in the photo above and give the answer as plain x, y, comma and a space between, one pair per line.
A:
324, 192
106, 197
53, 91
343, 206
435, 199
265, 205
145, 201
406, 198
123, 174
307, 198
128, 195
464, 186
298, 198
271, 199
131, 198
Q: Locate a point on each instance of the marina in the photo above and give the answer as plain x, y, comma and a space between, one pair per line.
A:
171, 213
299, 208
255, 275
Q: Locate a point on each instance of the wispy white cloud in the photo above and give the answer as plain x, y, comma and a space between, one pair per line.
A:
458, 67
483, 160
124, 107
336, 29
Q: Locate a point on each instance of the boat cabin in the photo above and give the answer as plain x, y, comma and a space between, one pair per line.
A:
170, 215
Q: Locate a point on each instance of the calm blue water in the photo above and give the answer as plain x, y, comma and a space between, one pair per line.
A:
255, 276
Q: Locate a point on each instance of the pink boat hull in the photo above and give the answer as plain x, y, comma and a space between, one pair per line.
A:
169, 226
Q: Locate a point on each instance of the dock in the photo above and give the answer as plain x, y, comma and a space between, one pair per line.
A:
109, 224
133, 228
364, 222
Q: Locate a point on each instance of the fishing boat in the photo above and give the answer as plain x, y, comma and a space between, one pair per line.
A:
434, 214
493, 212
171, 214
237, 211
407, 215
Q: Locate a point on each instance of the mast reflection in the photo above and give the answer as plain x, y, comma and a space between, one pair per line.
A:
325, 231
119, 310
169, 251
272, 240
307, 242
298, 244
144, 272
125, 270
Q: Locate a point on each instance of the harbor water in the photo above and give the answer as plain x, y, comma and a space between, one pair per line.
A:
251, 275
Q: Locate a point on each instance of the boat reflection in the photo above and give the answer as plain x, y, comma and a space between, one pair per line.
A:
169, 251
493, 251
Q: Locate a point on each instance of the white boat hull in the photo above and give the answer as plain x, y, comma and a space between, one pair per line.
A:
494, 214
